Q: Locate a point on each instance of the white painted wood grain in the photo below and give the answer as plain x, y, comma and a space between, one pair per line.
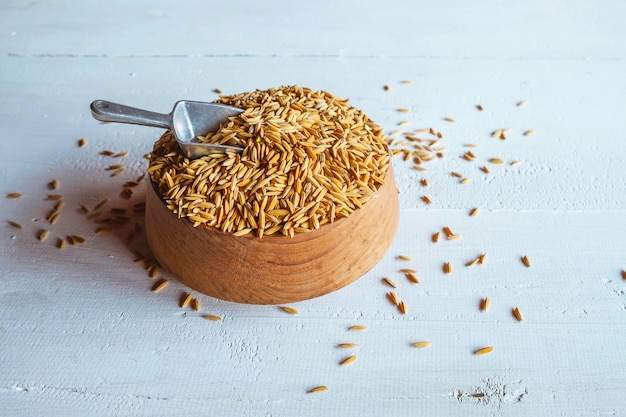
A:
81, 333
489, 29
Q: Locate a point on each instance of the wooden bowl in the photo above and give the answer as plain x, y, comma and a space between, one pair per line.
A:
274, 269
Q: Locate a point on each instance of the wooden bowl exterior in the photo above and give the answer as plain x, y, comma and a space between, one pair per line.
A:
274, 269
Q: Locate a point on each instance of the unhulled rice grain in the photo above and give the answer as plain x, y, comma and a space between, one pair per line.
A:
484, 350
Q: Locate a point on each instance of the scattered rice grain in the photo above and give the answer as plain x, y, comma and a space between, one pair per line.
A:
348, 360
160, 285
14, 224
43, 235
319, 388
529, 132
485, 303
195, 304
347, 345
403, 257
402, 307
389, 282
517, 314
483, 351
357, 327
101, 204
186, 300
82, 142
472, 262
421, 345
14, 195
393, 297
211, 317
289, 310
474, 212
411, 277
496, 160
426, 199
447, 268
435, 237
526, 261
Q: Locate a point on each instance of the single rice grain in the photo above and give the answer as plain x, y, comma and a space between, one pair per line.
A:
186, 300
348, 360
160, 285
347, 345
402, 307
389, 282
483, 351
412, 278
43, 235
289, 310
319, 388
14, 224
391, 296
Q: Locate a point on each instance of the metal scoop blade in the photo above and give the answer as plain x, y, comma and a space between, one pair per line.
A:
188, 120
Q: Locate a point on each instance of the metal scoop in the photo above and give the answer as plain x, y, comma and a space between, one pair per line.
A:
188, 120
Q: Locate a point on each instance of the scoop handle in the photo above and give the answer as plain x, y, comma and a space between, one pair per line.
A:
106, 111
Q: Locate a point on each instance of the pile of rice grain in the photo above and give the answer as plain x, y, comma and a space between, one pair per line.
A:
309, 159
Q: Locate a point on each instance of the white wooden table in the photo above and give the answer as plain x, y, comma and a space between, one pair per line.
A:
81, 334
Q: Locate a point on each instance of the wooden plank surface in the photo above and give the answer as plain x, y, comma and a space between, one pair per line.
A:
82, 334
